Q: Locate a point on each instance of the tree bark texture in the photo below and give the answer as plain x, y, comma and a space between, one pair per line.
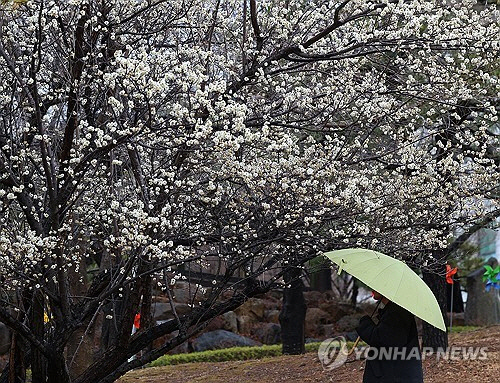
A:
293, 314
483, 307
433, 337
321, 280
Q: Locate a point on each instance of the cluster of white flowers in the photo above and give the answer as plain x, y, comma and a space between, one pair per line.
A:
375, 125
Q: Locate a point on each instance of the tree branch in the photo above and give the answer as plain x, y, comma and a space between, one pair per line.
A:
24, 331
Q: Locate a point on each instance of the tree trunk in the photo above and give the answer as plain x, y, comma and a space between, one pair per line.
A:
57, 371
17, 369
454, 296
18, 350
483, 307
112, 312
321, 280
293, 314
321, 275
146, 317
354, 294
433, 337
79, 350
37, 324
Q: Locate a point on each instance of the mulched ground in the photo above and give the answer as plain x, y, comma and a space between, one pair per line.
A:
307, 367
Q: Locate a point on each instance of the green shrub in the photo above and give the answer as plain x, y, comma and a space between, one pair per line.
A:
228, 354
463, 328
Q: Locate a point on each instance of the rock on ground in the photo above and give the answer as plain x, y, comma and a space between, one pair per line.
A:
221, 339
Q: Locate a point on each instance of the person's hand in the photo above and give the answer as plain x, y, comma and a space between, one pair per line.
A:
365, 319
364, 326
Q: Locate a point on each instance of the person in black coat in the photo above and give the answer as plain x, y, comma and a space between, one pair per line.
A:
394, 355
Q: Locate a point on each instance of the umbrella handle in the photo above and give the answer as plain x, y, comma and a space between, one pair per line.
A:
354, 346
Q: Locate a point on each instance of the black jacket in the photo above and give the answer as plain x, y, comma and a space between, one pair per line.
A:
395, 353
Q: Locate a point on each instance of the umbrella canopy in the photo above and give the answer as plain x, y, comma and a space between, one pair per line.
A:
393, 279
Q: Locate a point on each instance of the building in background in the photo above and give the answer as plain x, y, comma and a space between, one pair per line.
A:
488, 243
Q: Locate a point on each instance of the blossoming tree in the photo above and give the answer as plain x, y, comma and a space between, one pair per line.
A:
140, 136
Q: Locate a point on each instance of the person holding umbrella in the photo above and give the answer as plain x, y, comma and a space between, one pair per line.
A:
396, 356
394, 340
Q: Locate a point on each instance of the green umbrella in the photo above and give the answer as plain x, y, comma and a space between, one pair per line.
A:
393, 279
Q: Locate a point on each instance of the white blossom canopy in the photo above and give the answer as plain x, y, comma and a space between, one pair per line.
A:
166, 126
158, 131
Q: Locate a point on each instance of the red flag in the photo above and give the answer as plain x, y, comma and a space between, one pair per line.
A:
137, 321
449, 274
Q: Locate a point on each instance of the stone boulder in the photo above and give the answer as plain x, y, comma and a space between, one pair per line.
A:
218, 339
159, 298
314, 298
246, 323
315, 319
326, 330
275, 294
272, 316
253, 307
348, 323
216, 323
182, 292
227, 321
230, 321
249, 314
267, 333
337, 310
271, 304
163, 310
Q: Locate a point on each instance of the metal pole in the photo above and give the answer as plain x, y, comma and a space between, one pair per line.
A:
451, 305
